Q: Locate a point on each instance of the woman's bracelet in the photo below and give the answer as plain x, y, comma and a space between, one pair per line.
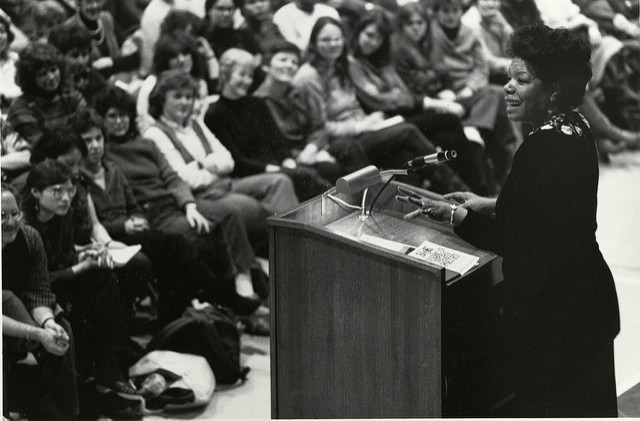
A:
454, 208
28, 332
44, 322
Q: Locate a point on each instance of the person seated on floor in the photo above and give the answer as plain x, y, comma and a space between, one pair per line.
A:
173, 52
244, 125
106, 54
45, 101
74, 42
280, 64
82, 280
32, 323
205, 164
64, 146
457, 53
296, 19
380, 88
168, 203
329, 96
180, 271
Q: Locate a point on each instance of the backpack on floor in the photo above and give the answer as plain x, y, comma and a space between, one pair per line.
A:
211, 332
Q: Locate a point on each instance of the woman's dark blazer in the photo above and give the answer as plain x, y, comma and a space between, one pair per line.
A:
558, 284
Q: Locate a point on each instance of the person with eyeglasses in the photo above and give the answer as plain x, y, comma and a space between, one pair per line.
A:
33, 325
84, 283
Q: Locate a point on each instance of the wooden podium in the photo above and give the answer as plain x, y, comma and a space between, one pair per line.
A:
359, 331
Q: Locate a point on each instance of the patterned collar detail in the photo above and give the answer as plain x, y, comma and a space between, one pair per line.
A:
564, 123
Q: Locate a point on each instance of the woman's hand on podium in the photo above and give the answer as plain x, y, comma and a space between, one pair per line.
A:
468, 200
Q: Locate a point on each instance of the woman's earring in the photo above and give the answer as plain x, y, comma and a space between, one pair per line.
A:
37, 207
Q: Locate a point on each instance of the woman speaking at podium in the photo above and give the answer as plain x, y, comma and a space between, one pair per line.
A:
562, 304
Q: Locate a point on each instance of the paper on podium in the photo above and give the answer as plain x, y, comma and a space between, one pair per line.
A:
123, 255
451, 259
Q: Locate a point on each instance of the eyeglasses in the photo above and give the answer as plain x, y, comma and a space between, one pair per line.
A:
59, 191
15, 214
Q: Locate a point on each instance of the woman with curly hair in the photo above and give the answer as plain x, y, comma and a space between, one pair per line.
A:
561, 299
46, 101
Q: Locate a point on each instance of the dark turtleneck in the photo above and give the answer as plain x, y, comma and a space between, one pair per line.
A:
246, 128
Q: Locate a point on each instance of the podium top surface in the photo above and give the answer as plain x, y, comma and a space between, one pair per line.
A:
322, 216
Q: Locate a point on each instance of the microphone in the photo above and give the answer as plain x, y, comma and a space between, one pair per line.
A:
434, 158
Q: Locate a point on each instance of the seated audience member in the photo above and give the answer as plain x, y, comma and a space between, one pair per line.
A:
280, 64
150, 26
82, 281
380, 88
180, 272
258, 21
38, 17
169, 205
106, 54
187, 23
45, 101
33, 323
64, 146
456, 51
296, 19
173, 52
246, 128
205, 164
220, 30
74, 42
329, 96
9, 90
494, 29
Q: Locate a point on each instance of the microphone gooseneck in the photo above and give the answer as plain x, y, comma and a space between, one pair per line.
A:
433, 158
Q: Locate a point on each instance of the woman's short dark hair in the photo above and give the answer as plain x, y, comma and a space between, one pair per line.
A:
169, 81
557, 57
172, 44
179, 20
83, 121
42, 175
208, 4
55, 142
278, 46
112, 96
68, 37
36, 56
7, 26
314, 58
379, 19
